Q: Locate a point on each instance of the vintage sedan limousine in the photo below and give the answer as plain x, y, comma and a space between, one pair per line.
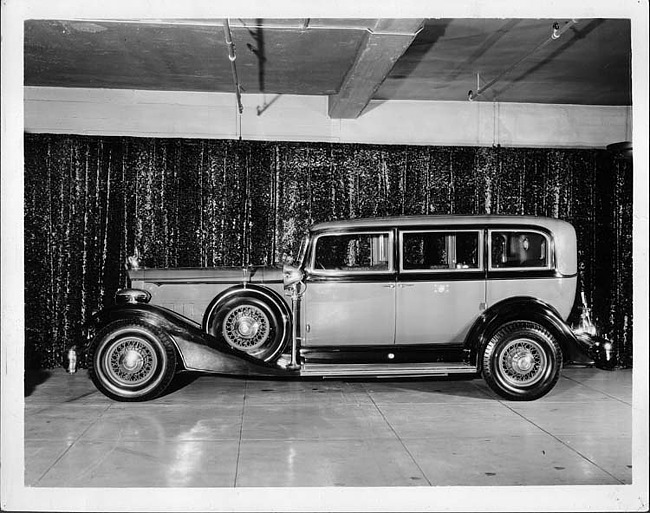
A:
399, 296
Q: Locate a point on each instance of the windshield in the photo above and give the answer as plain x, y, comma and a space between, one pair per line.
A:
302, 251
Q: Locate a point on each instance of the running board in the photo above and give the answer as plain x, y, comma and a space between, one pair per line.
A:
386, 369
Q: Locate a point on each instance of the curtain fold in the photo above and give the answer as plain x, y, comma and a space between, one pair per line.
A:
91, 201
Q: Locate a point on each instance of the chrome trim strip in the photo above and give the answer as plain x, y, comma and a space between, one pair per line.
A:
181, 281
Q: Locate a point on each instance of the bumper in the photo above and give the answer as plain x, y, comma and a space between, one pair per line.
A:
599, 349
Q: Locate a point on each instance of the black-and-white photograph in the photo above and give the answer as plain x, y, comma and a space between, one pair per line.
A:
373, 259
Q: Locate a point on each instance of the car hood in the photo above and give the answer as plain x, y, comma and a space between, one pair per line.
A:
253, 274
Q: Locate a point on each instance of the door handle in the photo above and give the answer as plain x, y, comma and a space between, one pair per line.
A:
402, 285
390, 286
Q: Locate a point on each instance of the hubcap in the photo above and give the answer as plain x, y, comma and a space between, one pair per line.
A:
132, 360
246, 327
522, 362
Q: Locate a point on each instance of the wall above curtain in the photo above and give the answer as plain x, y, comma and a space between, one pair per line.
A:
91, 201
301, 118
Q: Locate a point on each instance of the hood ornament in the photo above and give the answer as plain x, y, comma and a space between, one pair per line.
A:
133, 262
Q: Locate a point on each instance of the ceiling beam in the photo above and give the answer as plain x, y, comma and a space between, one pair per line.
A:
377, 54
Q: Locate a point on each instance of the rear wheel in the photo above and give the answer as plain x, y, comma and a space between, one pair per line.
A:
250, 325
522, 361
132, 361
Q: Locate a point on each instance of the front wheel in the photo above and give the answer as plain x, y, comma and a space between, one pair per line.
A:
522, 361
132, 361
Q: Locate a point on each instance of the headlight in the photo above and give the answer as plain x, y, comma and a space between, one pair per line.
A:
291, 275
123, 296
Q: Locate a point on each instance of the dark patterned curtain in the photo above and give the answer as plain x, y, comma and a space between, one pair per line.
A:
90, 201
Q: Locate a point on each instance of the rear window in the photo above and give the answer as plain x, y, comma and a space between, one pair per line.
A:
517, 249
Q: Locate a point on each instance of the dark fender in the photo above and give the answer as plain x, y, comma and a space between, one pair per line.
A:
198, 350
523, 308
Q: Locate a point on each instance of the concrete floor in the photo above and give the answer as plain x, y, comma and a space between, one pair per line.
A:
213, 431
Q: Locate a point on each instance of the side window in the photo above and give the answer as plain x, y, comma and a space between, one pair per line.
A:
440, 250
357, 252
518, 249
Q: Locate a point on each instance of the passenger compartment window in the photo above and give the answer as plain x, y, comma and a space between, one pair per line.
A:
426, 251
517, 249
357, 252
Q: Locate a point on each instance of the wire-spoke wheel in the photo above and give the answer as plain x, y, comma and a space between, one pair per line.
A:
249, 325
522, 361
246, 327
132, 361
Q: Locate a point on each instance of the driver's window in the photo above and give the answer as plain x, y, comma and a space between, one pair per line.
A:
354, 252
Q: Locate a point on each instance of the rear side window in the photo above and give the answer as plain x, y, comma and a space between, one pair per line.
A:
354, 252
517, 249
430, 251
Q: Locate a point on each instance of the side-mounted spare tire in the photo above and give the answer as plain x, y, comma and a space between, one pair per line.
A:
249, 324
522, 361
131, 360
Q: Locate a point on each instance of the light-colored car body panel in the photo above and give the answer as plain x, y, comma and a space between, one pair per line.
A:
189, 291
557, 292
437, 312
349, 313
394, 307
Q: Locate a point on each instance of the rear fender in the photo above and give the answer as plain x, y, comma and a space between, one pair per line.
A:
521, 308
198, 350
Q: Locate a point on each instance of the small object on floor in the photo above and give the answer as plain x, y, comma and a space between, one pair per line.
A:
72, 360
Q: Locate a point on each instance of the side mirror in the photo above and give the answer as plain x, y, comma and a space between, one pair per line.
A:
291, 275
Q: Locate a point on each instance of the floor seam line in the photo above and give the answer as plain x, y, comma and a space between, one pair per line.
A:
596, 390
400, 440
563, 443
71, 445
241, 431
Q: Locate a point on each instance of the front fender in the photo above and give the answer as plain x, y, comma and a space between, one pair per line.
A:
523, 308
198, 350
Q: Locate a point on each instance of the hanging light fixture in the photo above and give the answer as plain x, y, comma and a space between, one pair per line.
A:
621, 150
557, 31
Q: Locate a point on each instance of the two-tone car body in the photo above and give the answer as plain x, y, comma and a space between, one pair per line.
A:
398, 296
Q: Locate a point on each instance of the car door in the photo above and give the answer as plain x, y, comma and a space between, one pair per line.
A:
441, 285
350, 290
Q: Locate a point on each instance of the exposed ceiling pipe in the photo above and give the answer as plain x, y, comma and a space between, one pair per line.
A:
232, 57
557, 32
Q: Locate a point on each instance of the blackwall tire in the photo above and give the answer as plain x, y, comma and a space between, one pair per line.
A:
250, 325
522, 361
132, 361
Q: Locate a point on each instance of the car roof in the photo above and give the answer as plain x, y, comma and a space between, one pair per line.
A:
550, 224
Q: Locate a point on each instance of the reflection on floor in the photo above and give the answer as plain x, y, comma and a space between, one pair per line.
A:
214, 431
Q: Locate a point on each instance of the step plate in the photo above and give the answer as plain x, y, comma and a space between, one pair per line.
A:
386, 369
